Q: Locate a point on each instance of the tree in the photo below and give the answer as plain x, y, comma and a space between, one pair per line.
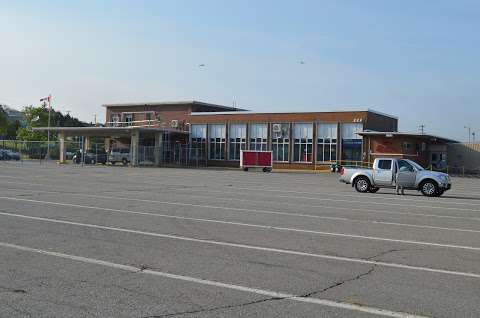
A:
3, 122
38, 117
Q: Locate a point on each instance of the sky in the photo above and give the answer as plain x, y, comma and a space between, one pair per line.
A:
417, 60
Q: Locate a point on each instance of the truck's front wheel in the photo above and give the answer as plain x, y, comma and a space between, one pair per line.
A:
429, 188
362, 184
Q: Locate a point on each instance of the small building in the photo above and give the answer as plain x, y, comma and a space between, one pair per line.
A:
215, 134
427, 150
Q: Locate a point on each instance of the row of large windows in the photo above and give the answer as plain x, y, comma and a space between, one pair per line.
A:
302, 138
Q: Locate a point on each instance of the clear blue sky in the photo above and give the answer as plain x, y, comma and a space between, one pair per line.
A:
418, 60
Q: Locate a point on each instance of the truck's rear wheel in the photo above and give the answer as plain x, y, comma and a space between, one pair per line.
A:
124, 161
429, 188
362, 184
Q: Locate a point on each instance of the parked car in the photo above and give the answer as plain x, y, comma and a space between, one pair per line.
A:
90, 157
390, 172
3, 154
120, 155
13, 155
6, 154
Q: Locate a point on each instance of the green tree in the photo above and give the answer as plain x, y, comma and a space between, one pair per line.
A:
37, 116
3, 122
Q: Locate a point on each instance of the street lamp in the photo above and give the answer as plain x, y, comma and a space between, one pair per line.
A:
469, 133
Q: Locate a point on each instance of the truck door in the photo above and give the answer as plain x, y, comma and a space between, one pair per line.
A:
383, 172
406, 174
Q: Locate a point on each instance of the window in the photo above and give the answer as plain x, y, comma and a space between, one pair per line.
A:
303, 142
404, 166
114, 119
216, 135
198, 138
148, 116
327, 142
280, 142
258, 137
237, 141
128, 119
351, 142
385, 164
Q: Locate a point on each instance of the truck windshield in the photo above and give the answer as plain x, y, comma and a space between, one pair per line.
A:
416, 165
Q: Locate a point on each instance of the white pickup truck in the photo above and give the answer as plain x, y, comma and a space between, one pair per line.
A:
390, 172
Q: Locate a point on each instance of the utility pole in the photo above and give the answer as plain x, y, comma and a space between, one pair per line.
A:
95, 119
473, 137
422, 129
469, 133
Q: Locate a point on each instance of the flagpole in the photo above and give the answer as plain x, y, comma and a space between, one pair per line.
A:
48, 134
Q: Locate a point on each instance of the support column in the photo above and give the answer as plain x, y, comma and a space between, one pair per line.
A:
87, 143
63, 151
134, 140
158, 151
106, 143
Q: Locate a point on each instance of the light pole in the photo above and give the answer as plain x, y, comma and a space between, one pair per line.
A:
469, 133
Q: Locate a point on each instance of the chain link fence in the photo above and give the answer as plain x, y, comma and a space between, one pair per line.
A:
172, 155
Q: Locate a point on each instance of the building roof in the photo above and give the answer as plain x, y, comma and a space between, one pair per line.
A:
106, 131
406, 134
167, 103
246, 112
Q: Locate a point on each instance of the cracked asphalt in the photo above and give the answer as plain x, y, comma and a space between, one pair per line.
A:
100, 241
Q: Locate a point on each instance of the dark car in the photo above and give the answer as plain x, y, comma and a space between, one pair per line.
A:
13, 155
6, 154
3, 154
90, 157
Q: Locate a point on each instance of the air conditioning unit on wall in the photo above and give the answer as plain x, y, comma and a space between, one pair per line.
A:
174, 123
277, 128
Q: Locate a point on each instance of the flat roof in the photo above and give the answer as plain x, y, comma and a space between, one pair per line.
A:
308, 112
405, 134
167, 103
103, 131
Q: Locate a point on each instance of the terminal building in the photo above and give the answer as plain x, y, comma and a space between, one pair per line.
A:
214, 135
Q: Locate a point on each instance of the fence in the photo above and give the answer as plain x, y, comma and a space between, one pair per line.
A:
18, 150
172, 155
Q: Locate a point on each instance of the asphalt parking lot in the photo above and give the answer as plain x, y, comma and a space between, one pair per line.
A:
100, 241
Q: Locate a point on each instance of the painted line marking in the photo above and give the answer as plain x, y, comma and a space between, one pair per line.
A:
263, 292
245, 210
333, 194
253, 247
266, 227
248, 200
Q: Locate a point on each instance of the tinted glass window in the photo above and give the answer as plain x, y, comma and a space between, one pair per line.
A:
404, 166
385, 164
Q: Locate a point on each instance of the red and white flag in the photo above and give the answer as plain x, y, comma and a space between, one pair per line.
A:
47, 99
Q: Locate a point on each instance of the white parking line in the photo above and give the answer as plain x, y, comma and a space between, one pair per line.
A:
268, 227
244, 210
253, 247
251, 200
263, 292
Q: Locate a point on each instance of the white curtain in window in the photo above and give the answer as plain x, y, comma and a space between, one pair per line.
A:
351, 130
216, 131
303, 131
238, 131
199, 131
325, 131
258, 131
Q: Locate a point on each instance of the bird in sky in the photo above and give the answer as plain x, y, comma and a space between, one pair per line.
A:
201, 65
302, 62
